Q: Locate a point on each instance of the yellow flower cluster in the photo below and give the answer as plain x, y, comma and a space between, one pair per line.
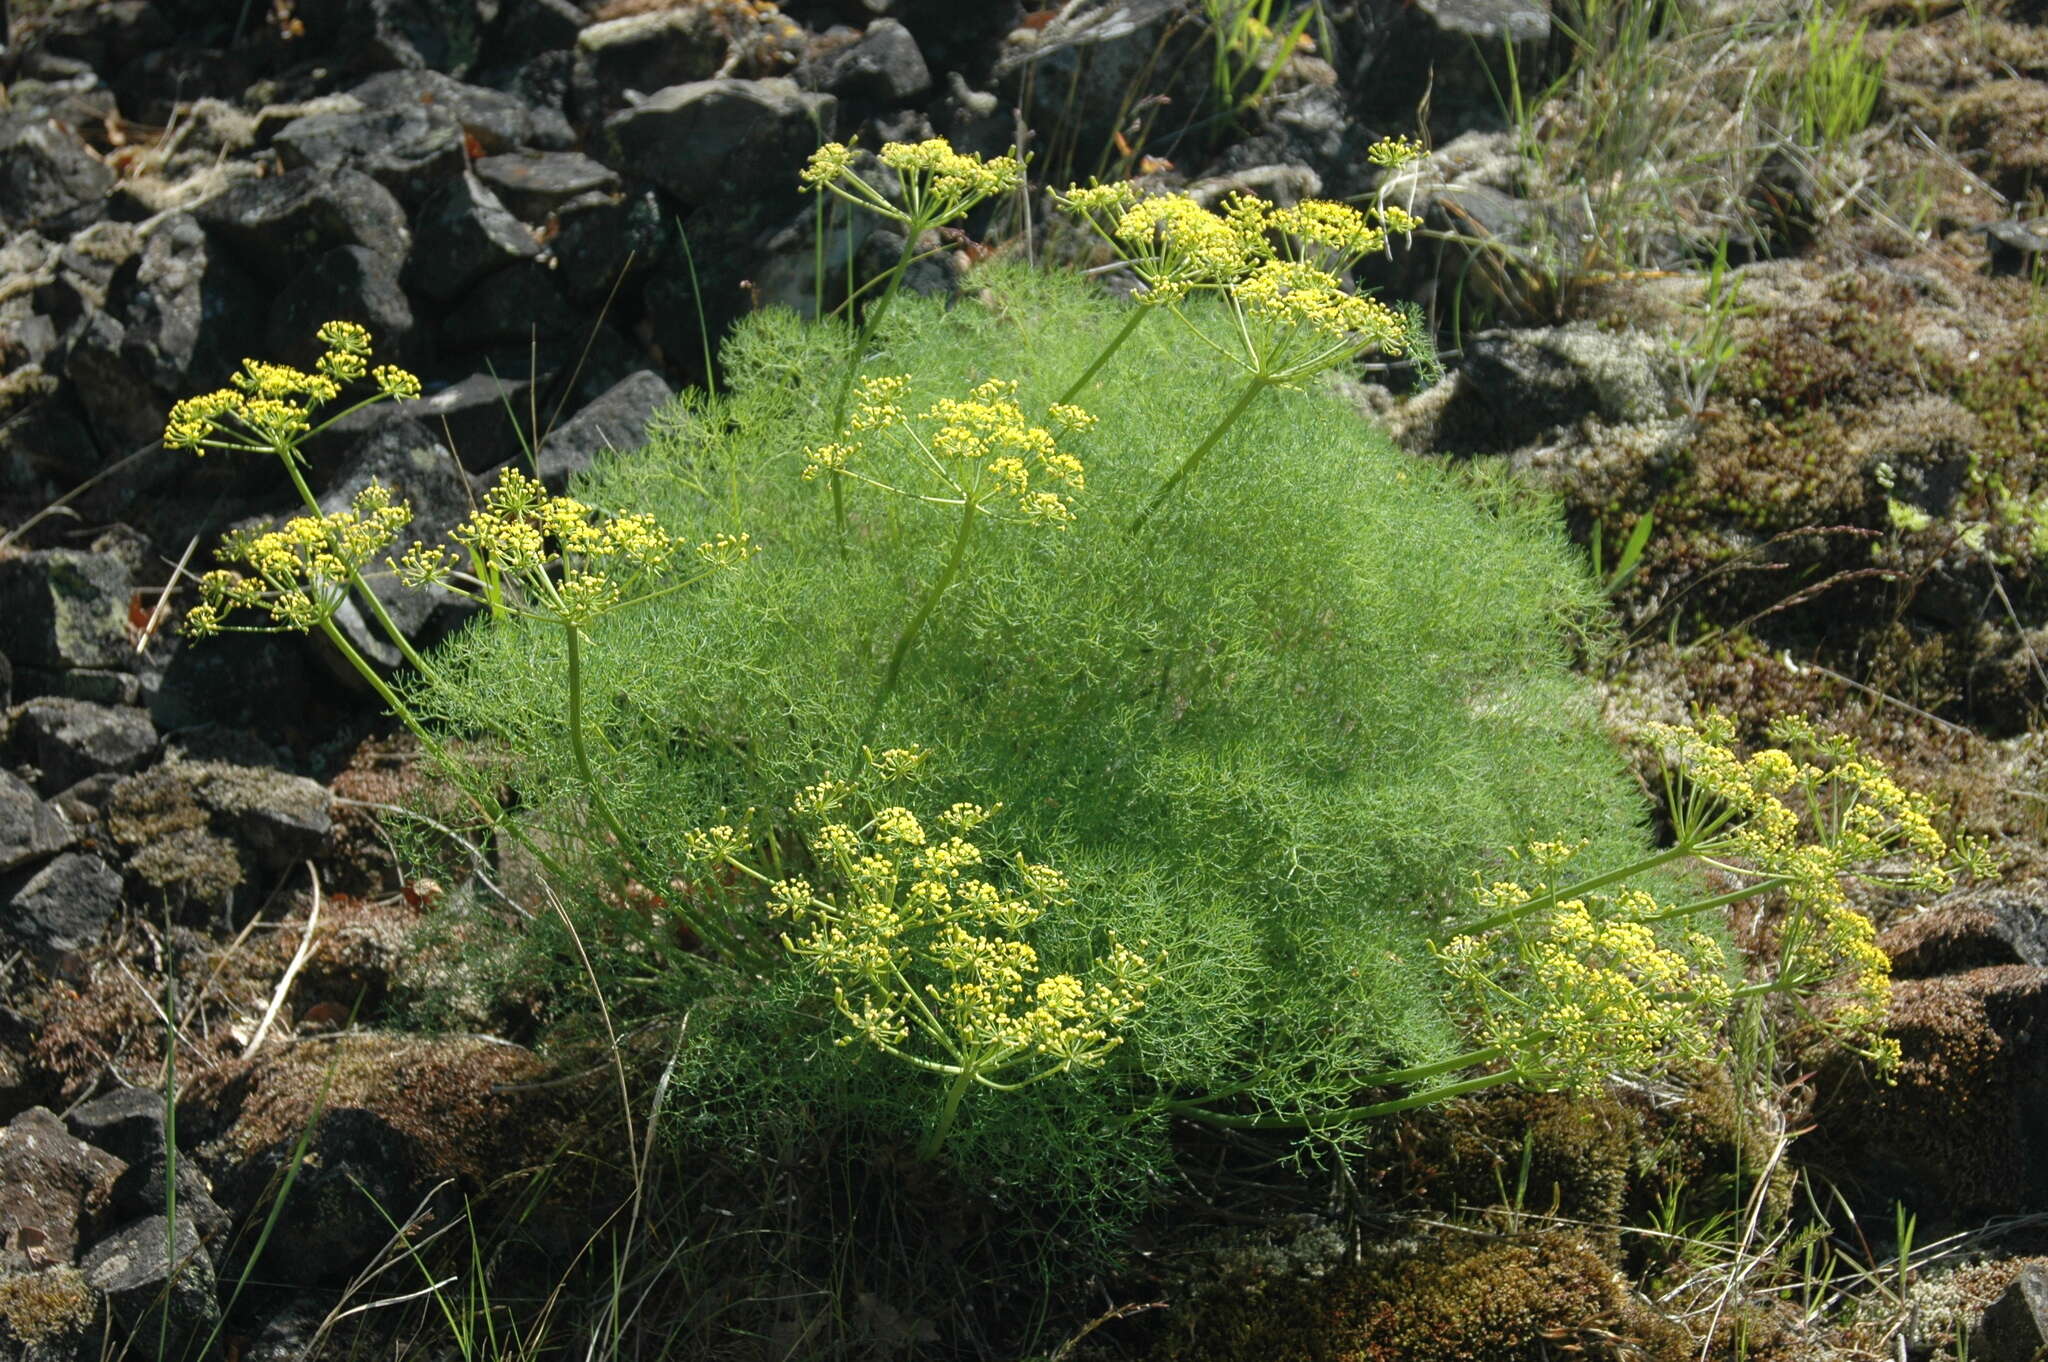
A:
935, 184
1393, 152
921, 940
1290, 293
1576, 989
268, 407
976, 448
301, 572
569, 562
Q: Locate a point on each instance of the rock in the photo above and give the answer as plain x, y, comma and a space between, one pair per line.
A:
598, 237
618, 420
49, 179
253, 680
1094, 56
465, 233
68, 740
533, 28
1960, 1135
120, 404
404, 36
520, 303
94, 685
2015, 1326
532, 184
140, 1192
881, 66
410, 149
82, 275
1993, 926
158, 1280
127, 1123
1516, 385
106, 36
348, 283
478, 416
723, 139
286, 1334
497, 121
44, 444
190, 311
276, 224
641, 53
63, 608
30, 830
62, 907
1454, 50
194, 831
6, 682
2015, 247
53, 1183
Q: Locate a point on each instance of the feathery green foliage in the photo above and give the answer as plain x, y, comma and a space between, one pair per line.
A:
1271, 736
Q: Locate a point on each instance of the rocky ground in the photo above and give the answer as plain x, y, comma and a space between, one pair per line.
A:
1835, 435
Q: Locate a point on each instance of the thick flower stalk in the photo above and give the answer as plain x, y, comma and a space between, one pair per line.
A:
979, 457
934, 186
557, 561
921, 936
1566, 981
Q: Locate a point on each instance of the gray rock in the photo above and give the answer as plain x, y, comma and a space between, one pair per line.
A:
284, 819
68, 740
1460, 46
465, 233
410, 149
127, 1123
2015, 1326
532, 184
619, 60
1515, 386
356, 1163
53, 1183
348, 283
188, 316
94, 685
44, 444
30, 830
404, 37
533, 28
107, 35
477, 415
49, 179
158, 1280
1997, 925
617, 420
140, 1192
721, 139
121, 405
276, 224
62, 907
62, 608
883, 66
2015, 247
80, 278
6, 682
1095, 55
520, 303
599, 237
499, 122
195, 832
248, 680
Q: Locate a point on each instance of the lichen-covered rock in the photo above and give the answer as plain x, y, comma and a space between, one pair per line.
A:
48, 1315
60, 608
68, 740
194, 831
158, 1282
60, 907
53, 1185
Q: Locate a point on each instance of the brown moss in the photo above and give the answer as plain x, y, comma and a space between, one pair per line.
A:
2005, 124
42, 1308
1456, 1300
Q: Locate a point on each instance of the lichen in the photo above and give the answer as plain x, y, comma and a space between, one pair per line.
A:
39, 1308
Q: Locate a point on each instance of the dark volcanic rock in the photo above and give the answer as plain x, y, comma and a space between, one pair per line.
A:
477, 416
532, 184
68, 740
721, 139
61, 608
617, 420
398, 35
60, 908
410, 149
598, 236
1994, 926
127, 1122
499, 122
2015, 1326
53, 1183
158, 1280
275, 225
30, 830
190, 310
1454, 49
880, 66
192, 830
257, 681
519, 303
465, 233
49, 179
348, 283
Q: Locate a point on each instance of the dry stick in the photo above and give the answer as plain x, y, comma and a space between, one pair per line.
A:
163, 596
291, 971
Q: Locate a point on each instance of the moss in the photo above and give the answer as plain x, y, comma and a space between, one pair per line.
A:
1456, 1300
1701, 1157
1471, 1153
39, 1308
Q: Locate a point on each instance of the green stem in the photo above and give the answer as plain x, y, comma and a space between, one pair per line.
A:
627, 844
948, 1109
361, 587
1193, 461
1138, 314
1277, 1122
1583, 887
968, 515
